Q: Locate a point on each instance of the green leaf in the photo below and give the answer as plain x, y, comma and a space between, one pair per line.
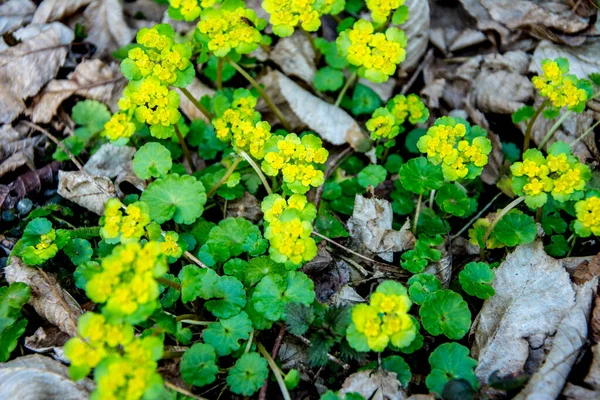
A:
298, 317
412, 138
260, 267
273, 293
292, 379
372, 175
522, 114
511, 152
419, 175
198, 365
458, 389
180, 198
12, 298
403, 200
196, 282
453, 200
84, 272
330, 51
79, 250
231, 295
328, 79
332, 190
152, 160
421, 285
9, 337
450, 361
553, 223
228, 239
400, 16
476, 278
393, 163
321, 344
91, 114
595, 77
558, 247
515, 228
248, 374
203, 136
364, 100
226, 334
551, 113
445, 312
255, 245
327, 224
353, 165
73, 144
210, 70
400, 367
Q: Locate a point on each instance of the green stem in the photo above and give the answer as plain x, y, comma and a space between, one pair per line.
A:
85, 233
431, 198
530, 124
187, 316
186, 151
275, 369
249, 343
224, 178
194, 322
476, 217
196, 103
168, 282
417, 212
499, 216
257, 169
170, 355
262, 93
580, 138
554, 129
345, 88
572, 239
220, 63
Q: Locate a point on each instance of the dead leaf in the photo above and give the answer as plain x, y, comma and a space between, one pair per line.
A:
49, 300
416, 29
48, 340
583, 60
9, 134
35, 377
128, 182
198, 90
247, 207
319, 263
92, 79
548, 381
587, 270
330, 281
55, 10
371, 227
295, 56
25, 68
533, 295
374, 385
17, 160
91, 194
384, 90
595, 322
346, 296
14, 14
332, 123
109, 160
106, 24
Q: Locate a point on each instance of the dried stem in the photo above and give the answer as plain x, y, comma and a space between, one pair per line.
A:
220, 64
186, 151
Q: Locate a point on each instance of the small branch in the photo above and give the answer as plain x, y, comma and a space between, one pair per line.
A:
428, 58
168, 282
194, 322
189, 256
329, 356
499, 216
196, 103
554, 129
313, 45
275, 369
417, 212
345, 88
580, 138
476, 217
183, 391
224, 178
346, 249
257, 169
220, 63
170, 355
186, 150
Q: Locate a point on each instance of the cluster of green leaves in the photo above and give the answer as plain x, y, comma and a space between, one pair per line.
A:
12, 326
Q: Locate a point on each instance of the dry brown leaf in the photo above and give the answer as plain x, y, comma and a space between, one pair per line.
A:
533, 295
54, 10
35, 377
295, 56
346, 296
417, 33
374, 385
91, 194
247, 207
371, 227
106, 25
109, 160
586, 270
595, 321
332, 123
25, 68
128, 182
17, 160
46, 340
14, 14
547, 383
198, 90
49, 300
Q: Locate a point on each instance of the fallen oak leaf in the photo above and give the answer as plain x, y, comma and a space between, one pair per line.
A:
91, 192
106, 24
374, 385
54, 10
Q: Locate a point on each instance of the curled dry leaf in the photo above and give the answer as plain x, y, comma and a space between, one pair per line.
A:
452, 28
417, 33
25, 68
36, 377
106, 25
586, 270
533, 295
14, 14
374, 385
128, 182
247, 207
17, 160
583, 60
547, 383
92, 79
109, 160
91, 192
48, 339
49, 300
198, 90
54, 10
330, 122
346, 296
295, 56
371, 227
29, 182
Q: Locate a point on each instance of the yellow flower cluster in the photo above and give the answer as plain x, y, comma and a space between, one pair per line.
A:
188, 10
562, 89
241, 125
285, 15
559, 174
119, 126
375, 53
295, 159
384, 320
381, 9
169, 245
229, 28
289, 228
125, 365
386, 122
126, 280
588, 216
462, 150
129, 227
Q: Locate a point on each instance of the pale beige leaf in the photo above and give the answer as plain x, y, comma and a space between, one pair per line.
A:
54, 10
91, 194
374, 385
371, 227
547, 383
35, 377
533, 295
295, 56
106, 24
49, 300
198, 90
417, 33
14, 14
109, 160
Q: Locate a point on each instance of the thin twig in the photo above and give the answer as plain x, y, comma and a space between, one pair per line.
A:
263, 390
477, 216
329, 356
499, 216
530, 124
275, 369
183, 391
347, 249
186, 151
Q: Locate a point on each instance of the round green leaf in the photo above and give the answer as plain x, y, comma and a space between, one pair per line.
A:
198, 365
248, 374
515, 228
231, 295
273, 293
181, 198
91, 114
328, 79
400, 367
226, 334
152, 160
450, 361
419, 175
421, 285
393, 163
79, 251
476, 278
371, 175
364, 100
453, 200
445, 312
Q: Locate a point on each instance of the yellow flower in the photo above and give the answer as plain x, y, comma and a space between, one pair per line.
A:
285, 15
562, 89
128, 227
119, 126
381, 9
588, 216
